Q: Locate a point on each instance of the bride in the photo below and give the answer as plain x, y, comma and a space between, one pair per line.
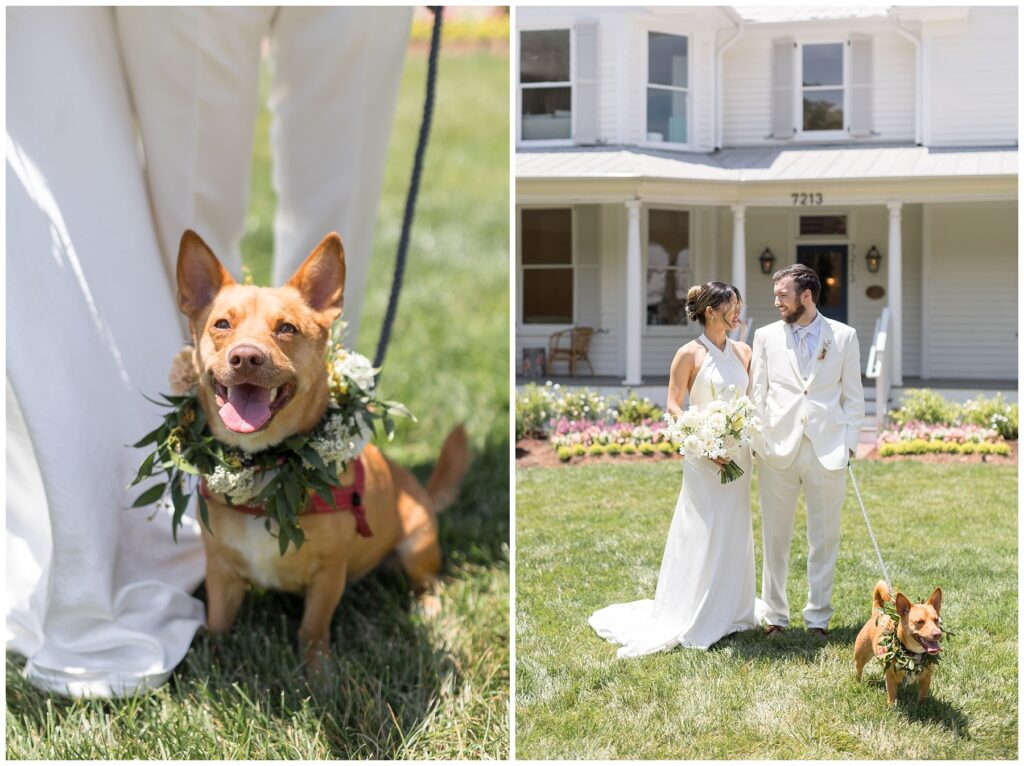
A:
706, 583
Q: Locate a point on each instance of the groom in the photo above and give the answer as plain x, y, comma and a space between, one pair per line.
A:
805, 377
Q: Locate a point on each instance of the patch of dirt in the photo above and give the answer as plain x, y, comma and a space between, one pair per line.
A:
538, 453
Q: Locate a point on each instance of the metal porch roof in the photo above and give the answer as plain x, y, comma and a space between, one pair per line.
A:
775, 163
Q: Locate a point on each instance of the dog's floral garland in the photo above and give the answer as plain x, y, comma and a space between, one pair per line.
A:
284, 478
896, 655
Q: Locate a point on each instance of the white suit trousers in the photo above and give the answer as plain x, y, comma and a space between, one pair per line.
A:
194, 78
779, 490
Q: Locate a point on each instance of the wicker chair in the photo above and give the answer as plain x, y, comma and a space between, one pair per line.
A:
575, 349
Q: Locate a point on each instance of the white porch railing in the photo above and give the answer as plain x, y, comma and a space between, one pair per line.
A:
879, 365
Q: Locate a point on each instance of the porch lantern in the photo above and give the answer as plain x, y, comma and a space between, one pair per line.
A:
767, 261
874, 259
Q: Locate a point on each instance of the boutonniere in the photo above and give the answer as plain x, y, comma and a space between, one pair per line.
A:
824, 350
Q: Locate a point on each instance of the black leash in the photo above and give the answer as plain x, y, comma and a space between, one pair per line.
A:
414, 186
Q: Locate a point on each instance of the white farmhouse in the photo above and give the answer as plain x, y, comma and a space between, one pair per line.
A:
662, 147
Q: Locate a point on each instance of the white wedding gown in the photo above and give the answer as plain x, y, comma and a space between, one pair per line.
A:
706, 584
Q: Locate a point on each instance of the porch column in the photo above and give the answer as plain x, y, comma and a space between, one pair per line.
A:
739, 249
896, 290
634, 304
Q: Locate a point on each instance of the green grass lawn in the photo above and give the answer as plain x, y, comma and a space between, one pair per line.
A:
594, 535
409, 685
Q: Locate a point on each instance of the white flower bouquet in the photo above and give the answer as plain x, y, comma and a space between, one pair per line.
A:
717, 430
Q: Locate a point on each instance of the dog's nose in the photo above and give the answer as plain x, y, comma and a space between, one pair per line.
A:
246, 356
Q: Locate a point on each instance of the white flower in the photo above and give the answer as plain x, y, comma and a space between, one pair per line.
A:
356, 368
239, 484
342, 439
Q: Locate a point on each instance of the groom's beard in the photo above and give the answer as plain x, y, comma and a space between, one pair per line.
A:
789, 316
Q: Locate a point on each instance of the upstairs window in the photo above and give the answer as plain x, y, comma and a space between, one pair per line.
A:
822, 87
545, 85
668, 88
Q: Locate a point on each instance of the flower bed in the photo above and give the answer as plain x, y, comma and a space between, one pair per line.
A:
581, 438
967, 434
917, 438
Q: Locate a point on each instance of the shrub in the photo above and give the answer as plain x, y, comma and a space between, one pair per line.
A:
613, 448
595, 449
578, 450
994, 413
646, 448
534, 408
923, 447
628, 448
926, 406
636, 409
666, 448
564, 454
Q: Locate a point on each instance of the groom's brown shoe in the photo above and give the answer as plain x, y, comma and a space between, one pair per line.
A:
819, 633
773, 632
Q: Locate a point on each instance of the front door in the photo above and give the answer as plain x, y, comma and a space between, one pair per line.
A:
829, 263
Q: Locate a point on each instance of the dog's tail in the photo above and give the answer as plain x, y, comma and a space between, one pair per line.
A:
450, 470
881, 594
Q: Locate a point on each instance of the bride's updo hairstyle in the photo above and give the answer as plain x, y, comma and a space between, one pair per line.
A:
709, 295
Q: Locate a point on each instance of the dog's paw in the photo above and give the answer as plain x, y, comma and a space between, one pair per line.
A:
429, 605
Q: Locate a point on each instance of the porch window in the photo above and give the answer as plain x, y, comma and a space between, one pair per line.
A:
545, 85
823, 86
668, 88
821, 225
668, 266
547, 268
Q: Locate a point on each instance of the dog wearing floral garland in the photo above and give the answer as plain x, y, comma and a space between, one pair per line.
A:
258, 366
918, 635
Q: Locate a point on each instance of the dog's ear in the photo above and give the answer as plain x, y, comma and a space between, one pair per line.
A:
936, 599
321, 279
200, 275
902, 605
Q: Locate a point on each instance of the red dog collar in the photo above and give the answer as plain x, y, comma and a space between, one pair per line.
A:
346, 498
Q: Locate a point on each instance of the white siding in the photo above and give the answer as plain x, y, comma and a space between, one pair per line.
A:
870, 226
970, 310
972, 79
746, 81
622, 68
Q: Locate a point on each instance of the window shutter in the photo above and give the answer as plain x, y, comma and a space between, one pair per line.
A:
861, 75
588, 266
783, 74
585, 84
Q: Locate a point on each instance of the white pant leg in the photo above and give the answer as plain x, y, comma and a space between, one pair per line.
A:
336, 78
778, 491
824, 491
194, 80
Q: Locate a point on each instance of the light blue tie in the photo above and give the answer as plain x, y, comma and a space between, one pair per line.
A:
803, 347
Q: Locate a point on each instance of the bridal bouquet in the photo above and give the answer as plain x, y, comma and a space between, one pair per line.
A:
716, 430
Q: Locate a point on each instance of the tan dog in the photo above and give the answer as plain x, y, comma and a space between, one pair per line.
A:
259, 357
918, 630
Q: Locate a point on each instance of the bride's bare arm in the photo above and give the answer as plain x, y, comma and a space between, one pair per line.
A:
679, 379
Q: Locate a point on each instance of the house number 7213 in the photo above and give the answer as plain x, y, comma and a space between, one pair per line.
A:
805, 200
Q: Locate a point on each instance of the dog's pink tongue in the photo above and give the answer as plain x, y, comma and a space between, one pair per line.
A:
247, 408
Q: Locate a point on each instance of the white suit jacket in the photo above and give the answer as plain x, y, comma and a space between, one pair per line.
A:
827, 405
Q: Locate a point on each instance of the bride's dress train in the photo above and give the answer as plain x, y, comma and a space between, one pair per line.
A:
706, 583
